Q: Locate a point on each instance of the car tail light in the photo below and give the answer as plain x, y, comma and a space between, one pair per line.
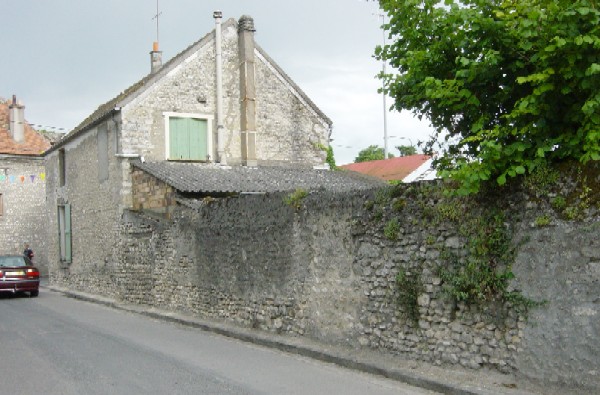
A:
33, 273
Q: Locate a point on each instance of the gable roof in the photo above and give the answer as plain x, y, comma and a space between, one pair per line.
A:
203, 178
35, 144
146, 82
389, 169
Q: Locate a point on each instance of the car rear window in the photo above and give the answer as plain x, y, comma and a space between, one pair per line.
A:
13, 261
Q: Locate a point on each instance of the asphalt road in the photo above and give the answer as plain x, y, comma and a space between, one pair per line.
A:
57, 345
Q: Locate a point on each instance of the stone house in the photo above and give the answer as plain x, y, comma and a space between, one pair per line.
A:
22, 184
221, 103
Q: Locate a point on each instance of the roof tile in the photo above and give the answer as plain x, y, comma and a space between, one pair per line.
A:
389, 169
35, 143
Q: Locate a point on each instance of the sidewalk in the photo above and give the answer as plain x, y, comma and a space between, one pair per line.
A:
446, 380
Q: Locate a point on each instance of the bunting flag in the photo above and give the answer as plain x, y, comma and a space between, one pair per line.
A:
13, 179
22, 178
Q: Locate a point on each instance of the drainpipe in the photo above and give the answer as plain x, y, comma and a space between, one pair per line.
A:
219, 72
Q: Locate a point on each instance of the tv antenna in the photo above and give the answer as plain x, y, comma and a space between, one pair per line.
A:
158, 13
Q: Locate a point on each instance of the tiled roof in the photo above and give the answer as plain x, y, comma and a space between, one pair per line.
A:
35, 144
203, 178
134, 90
389, 169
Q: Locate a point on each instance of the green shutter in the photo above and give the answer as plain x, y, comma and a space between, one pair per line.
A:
188, 139
197, 138
68, 255
177, 132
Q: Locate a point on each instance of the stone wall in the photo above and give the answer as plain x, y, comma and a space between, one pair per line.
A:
96, 203
23, 215
149, 193
329, 269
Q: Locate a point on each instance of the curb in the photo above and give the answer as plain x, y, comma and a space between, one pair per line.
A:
286, 345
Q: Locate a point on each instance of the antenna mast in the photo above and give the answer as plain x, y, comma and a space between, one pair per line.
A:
156, 17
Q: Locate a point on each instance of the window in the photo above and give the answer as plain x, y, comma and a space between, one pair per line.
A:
188, 137
62, 173
64, 232
102, 143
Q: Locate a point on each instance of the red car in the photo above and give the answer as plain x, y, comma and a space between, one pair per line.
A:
17, 274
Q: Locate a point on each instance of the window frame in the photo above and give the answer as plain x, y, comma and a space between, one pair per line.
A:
62, 167
209, 132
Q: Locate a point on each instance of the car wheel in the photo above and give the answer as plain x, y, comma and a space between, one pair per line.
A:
34, 294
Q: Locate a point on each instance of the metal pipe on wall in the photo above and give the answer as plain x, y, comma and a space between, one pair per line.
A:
219, 73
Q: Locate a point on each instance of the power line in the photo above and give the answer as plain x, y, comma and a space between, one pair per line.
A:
43, 127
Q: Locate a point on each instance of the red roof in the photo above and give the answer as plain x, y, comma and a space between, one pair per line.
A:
389, 169
35, 143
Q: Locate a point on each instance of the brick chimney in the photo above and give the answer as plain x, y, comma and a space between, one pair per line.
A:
17, 120
247, 89
155, 58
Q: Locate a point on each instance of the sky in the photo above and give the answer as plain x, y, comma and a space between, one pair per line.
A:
64, 58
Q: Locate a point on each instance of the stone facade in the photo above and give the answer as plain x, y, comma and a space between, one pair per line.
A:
288, 128
329, 271
23, 215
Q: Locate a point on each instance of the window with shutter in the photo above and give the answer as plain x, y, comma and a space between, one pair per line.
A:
64, 232
188, 138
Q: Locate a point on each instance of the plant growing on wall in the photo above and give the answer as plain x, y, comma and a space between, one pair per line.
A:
485, 273
409, 286
295, 198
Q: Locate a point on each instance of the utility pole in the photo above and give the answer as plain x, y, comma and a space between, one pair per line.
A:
385, 110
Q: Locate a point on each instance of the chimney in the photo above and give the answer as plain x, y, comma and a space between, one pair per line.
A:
155, 58
247, 89
17, 121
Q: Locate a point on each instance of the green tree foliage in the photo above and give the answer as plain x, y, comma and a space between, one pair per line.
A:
372, 152
330, 160
511, 84
406, 150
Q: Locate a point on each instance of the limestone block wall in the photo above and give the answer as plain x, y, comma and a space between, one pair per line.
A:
149, 193
22, 217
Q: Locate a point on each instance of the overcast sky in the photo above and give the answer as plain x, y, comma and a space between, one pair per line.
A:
63, 58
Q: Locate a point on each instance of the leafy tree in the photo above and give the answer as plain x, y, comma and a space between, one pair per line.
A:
511, 85
406, 150
372, 152
330, 160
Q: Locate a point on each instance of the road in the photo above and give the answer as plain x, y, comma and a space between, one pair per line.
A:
57, 345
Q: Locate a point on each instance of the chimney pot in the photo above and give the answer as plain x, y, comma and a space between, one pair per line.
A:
155, 58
